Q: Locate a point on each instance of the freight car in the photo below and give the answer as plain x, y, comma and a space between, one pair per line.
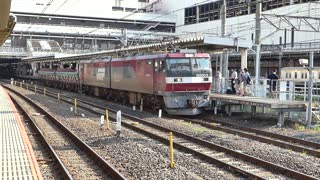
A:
179, 83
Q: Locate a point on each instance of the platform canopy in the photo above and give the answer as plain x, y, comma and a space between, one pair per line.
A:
203, 43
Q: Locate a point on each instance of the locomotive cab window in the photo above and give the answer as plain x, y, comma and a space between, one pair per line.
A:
178, 65
200, 63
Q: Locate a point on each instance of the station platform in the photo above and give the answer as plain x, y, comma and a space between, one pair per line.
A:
280, 106
16, 154
260, 102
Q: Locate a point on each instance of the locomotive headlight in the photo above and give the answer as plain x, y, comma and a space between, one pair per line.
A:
205, 97
177, 79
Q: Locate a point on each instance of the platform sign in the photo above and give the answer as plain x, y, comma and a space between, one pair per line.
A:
118, 122
283, 90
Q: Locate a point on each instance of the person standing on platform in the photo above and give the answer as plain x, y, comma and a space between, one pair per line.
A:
240, 82
234, 77
246, 80
273, 80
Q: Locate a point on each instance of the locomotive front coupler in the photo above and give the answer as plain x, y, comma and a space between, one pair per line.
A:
193, 102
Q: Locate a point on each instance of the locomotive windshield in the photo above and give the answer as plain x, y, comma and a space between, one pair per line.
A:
188, 67
200, 63
178, 64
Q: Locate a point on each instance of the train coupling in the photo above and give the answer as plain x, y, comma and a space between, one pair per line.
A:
193, 102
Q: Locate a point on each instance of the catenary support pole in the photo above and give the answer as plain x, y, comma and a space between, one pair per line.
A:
310, 86
244, 57
257, 43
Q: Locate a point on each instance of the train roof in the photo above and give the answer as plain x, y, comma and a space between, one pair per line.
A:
146, 57
298, 68
97, 60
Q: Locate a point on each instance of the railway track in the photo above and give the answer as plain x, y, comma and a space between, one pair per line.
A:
295, 144
49, 162
235, 161
80, 161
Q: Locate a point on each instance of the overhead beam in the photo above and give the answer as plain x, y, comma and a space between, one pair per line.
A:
312, 22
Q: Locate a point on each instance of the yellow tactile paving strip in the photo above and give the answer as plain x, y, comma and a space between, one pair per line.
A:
16, 156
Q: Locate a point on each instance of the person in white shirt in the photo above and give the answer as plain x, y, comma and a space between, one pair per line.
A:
234, 77
240, 82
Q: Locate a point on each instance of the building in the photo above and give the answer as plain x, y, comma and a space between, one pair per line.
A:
83, 26
287, 26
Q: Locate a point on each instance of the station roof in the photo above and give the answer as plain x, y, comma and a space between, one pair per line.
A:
92, 31
203, 43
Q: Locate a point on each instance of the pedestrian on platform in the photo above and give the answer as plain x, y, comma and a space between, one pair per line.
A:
240, 82
246, 81
234, 77
273, 80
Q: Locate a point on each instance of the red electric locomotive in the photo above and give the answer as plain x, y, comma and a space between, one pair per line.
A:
179, 83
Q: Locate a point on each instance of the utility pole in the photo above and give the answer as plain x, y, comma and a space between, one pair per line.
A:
223, 16
258, 42
224, 56
310, 85
280, 59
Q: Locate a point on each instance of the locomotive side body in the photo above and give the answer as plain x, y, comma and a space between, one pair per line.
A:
95, 73
138, 74
179, 83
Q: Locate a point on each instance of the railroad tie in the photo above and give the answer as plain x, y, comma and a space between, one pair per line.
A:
218, 154
224, 159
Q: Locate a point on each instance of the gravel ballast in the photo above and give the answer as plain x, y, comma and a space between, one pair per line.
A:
135, 155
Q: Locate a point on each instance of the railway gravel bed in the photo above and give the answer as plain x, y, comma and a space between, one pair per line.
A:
264, 123
268, 124
297, 161
46, 164
76, 161
133, 154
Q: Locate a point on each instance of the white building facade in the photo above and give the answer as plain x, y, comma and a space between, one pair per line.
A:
203, 17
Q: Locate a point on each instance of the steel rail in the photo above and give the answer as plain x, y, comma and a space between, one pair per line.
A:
63, 170
284, 143
179, 146
270, 134
104, 165
245, 157
299, 145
